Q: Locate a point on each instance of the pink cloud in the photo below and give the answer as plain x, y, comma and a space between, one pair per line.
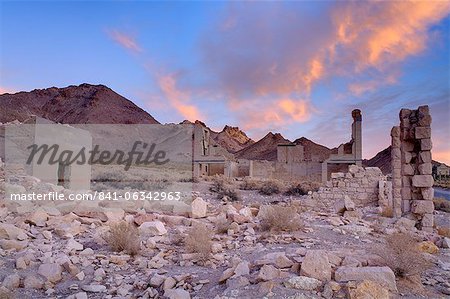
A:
125, 40
178, 99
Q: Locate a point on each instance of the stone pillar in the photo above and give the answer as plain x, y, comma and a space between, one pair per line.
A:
396, 172
411, 166
357, 136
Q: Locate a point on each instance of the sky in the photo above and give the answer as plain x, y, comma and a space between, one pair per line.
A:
297, 67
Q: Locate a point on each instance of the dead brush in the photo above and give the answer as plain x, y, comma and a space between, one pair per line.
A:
270, 187
123, 236
250, 184
302, 188
401, 253
223, 189
387, 212
199, 240
442, 204
279, 218
222, 226
444, 231
6, 294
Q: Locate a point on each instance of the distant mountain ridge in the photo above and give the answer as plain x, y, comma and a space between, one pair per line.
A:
83, 104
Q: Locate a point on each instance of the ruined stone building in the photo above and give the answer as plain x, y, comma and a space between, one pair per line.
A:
17, 137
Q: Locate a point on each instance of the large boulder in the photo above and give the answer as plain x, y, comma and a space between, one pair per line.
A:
53, 272
316, 265
303, 283
381, 275
369, 290
199, 207
152, 228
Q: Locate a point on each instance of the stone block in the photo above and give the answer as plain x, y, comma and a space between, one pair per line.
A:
426, 144
425, 121
422, 207
408, 169
396, 142
422, 132
316, 265
406, 181
424, 110
406, 206
381, 275
422, 181
427, 193
406, 193
425, 168
407, 146
407, 156
428, 220
395, 131
396, 154
404, 113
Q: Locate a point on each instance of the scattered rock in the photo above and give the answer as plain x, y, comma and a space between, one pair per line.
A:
11, 282
53, 272
33, 282
152, 228
381, 275
177, 294
428, 247
199, 208
316, 265
10, 231
303, 283
74, 245
94, 288
267, 273
369, 290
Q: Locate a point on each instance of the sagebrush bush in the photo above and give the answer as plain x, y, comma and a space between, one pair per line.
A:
199, 240
442, 204
123, 236
223, 189
270, 187
279, 218
250, 184
222, 226
387, 212
296, 190
401, 253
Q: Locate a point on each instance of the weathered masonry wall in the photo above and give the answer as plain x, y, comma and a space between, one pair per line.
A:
360, 184
412, 180
306, 170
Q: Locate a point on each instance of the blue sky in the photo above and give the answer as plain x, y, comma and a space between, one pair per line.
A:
298, 68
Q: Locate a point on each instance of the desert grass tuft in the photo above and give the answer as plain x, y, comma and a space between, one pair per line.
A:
199, 240
279, 218
123, 236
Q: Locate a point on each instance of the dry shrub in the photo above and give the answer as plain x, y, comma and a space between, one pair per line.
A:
402, 255
279, 218
223, 188
444, 231
296, 190
270, 187
123, 236
198, 240
222, 226
387, 212
250, 184
6, 294
442, 204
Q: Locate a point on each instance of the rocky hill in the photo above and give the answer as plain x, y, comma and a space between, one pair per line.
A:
232, 139
264, 149
90, 104
312, 150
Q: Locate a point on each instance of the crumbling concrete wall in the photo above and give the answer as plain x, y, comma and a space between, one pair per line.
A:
360, 184
306, 170
412, 178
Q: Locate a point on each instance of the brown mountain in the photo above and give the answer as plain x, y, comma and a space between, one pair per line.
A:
313, 151
264, 149
382, 160
90, 104
232, 139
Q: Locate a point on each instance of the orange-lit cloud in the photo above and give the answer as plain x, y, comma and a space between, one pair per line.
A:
178, 98
375, 34
125, 40
359, 88
274, 116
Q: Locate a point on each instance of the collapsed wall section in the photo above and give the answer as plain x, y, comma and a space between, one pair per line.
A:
412, 180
